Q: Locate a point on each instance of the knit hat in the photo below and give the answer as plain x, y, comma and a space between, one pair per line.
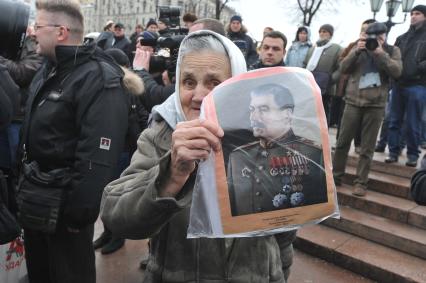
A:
149, 38
327, 27
151, 22
119, 56
236, 18
420, 8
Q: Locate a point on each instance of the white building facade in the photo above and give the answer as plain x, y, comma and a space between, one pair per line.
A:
132, 12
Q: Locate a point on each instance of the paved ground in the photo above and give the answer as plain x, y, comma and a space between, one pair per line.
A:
123, 266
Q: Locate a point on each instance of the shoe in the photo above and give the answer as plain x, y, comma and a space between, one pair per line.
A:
113, 245
391, 159
357, 149
423, 145
411, 161
379, 148
359, 191
143, 263
103, 239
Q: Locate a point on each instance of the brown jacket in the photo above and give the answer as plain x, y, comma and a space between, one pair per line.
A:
388, 67
132, 208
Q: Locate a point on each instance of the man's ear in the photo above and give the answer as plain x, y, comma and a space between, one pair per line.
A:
63, 33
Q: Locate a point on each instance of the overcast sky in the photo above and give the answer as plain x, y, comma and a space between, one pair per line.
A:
346, 18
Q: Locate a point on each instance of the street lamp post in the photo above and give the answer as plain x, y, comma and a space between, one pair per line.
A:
391, 9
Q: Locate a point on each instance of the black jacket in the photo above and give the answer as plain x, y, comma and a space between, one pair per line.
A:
154, 93
413, 53
9, 97
23, 71
260, 65
124, 44
77, 117
246, 45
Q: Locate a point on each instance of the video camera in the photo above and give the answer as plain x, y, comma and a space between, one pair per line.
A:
167, 47
171, 14
374, 30
13, 27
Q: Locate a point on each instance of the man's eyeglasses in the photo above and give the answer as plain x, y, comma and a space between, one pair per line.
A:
37, 27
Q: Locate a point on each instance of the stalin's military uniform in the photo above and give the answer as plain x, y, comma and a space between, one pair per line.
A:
284, 174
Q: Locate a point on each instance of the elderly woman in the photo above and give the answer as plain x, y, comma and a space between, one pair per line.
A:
152, 198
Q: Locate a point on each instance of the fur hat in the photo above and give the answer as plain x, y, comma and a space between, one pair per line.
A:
328, 28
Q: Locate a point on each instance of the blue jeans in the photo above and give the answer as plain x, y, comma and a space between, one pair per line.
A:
383, 140
423, 136
411, 102
9, 141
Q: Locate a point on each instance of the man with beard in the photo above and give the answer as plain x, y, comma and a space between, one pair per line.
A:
272, 50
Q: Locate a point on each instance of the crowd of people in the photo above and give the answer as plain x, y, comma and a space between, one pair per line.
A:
109, 125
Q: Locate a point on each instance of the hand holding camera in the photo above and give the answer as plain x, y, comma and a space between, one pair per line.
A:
141, 60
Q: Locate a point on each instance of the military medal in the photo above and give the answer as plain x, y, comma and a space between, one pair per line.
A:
286, 189
246, 172
279, 200
300, 165
264, 153
297, 199
293, 165
274, 171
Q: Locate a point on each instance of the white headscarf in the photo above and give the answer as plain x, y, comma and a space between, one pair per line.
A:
171, 109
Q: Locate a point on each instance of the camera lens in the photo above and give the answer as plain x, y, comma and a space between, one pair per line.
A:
371, 44
13, 27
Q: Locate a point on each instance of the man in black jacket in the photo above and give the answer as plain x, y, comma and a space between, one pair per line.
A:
409, 94
238, 34
121, 41
76, 118
272, 50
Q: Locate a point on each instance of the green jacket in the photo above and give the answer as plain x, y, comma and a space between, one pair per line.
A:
131, 208
388, 67
328, 63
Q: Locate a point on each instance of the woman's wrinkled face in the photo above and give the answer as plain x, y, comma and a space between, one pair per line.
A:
200, 73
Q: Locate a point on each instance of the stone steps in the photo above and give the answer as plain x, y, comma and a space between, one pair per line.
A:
387, 206
378, 165
390, 233
361, 256
382, 182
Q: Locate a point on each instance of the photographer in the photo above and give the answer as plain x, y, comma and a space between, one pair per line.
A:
370, 65
155, 93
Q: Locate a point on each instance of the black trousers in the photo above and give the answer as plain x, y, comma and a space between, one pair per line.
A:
62, 257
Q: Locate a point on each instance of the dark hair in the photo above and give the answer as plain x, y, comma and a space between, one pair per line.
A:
300, 29
369, 21
212, 24
276, 34
282, 95
189, 17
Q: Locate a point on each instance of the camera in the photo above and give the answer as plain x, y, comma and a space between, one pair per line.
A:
171, 14
13, 27
373, 31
